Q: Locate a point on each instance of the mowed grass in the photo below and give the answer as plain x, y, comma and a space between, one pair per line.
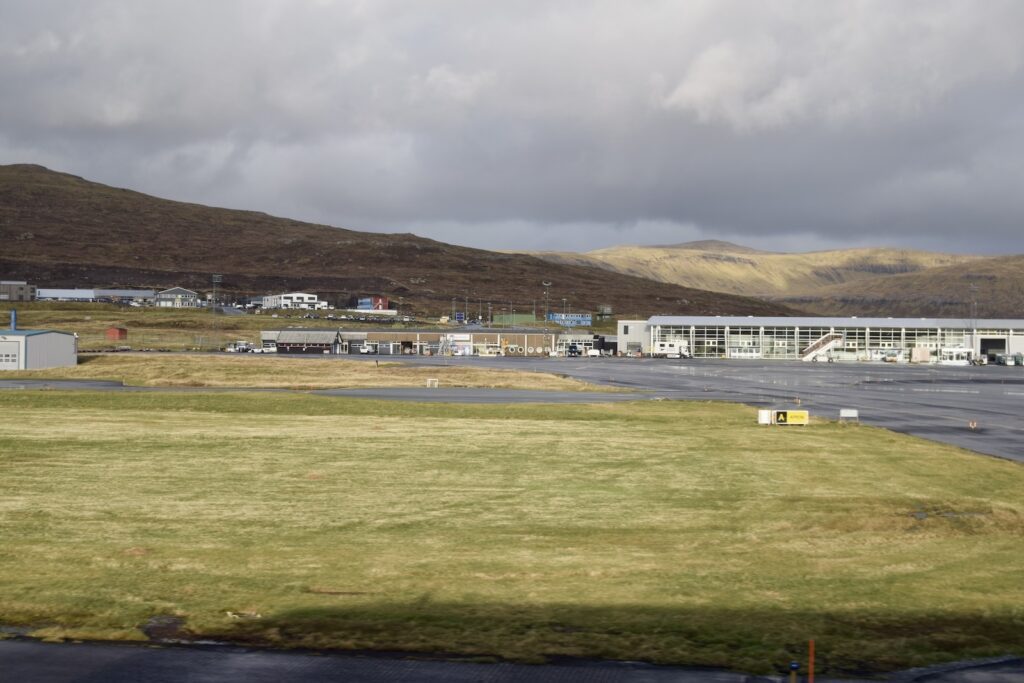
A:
244, 370
663, 531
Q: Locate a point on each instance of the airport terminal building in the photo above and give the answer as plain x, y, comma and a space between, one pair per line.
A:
924, 340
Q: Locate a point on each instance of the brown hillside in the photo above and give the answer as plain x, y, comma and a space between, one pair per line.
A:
995, 284
63, 231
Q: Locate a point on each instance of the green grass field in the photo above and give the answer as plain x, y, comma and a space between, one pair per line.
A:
660, 531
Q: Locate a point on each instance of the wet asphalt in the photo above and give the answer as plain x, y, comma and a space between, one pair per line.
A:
24, 661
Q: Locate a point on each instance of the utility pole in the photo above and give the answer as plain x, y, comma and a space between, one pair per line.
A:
974, 315
217, 279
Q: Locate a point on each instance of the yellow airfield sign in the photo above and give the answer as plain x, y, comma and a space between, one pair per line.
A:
791, 417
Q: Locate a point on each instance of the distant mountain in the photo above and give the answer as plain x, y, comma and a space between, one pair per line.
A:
719, 246
60, 230
988, 288
725, 267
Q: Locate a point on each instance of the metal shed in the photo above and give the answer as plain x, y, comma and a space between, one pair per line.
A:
37, 349
117, 333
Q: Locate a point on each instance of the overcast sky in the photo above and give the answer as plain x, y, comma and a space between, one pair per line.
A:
542, 125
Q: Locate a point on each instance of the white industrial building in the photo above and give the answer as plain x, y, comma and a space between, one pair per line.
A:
137, 296
634, 336
36, 349
17, 290
935, 340
294, 300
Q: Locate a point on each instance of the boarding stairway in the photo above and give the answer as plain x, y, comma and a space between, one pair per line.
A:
445, 347
821, 346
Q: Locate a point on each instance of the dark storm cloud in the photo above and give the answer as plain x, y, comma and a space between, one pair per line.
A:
569, 125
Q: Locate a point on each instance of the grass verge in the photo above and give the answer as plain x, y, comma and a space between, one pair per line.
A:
245, 370
669, 532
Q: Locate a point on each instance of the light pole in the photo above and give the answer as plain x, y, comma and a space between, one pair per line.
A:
217, 279
490, 315
547, 286
974, 316
563, 305
453, 309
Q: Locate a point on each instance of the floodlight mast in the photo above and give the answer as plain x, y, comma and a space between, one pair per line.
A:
217, 279
974, 317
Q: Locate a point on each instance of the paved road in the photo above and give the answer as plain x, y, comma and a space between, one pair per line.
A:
462, 395
418, 394
24, 661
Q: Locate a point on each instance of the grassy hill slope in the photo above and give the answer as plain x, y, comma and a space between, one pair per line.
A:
995, 284
61, 231
725, 267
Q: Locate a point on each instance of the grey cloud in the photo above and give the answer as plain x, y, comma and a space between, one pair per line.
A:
570, 125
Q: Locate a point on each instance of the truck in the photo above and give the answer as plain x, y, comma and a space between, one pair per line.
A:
678, 348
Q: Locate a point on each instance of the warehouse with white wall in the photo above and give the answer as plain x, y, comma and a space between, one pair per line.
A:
841, 339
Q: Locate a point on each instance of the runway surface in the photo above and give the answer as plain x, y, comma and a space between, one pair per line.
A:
464, 395
37, 662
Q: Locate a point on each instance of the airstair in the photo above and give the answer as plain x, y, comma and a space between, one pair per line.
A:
821, 346
445, 347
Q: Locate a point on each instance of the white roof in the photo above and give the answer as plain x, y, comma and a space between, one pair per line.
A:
307, 337
756, 321
49, 293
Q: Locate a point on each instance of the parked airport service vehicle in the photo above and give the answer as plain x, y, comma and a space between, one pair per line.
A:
671, 349
956, 356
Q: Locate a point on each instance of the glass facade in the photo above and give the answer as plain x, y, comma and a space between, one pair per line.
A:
849, 342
